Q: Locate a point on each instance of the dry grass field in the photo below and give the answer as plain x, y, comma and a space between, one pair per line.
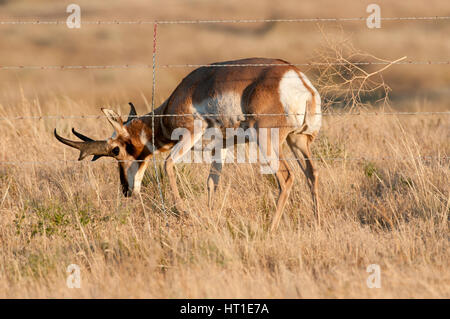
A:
385, 199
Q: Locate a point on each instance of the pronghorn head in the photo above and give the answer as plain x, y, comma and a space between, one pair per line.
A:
126, 145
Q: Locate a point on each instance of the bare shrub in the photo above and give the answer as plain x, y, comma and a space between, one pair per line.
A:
349, 77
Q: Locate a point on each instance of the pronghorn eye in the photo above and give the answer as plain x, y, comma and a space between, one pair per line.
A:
115, 151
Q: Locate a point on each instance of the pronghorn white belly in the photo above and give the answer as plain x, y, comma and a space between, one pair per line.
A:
295, 97
224, 109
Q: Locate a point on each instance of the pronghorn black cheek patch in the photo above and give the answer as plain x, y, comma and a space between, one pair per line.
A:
115, 151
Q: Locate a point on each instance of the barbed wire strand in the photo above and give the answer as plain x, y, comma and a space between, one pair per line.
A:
91, 116
37, 21
149, 66
340, 159
218, 65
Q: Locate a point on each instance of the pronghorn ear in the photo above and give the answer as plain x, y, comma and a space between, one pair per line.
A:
115, 121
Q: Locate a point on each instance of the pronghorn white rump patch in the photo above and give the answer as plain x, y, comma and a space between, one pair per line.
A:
295, 96
314, 121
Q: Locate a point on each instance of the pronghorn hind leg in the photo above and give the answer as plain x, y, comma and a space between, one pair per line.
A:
285, 180
280, 167
214, 177
300, 146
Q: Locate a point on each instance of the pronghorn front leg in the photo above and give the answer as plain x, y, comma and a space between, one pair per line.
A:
214, 176
180, 149
173, 184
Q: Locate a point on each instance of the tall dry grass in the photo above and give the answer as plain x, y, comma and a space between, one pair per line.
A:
55, 212
389, 212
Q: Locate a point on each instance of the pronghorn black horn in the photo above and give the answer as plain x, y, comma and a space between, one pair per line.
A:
63, 140
81, 136
132, 114
87, 147
86, 139
96, 157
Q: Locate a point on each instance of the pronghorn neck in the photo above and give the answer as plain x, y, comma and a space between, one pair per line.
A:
147, 131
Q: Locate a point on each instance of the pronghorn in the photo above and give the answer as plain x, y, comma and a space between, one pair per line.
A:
236, 96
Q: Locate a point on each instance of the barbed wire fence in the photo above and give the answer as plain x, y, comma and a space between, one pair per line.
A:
332, 68
424, 158
37, 21
100, 116
150, 66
